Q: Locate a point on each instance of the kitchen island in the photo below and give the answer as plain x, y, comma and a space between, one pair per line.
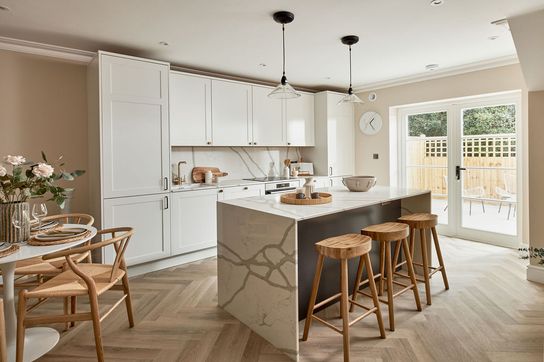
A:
266, 257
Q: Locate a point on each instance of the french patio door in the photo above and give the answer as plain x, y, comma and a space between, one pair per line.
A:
467, 152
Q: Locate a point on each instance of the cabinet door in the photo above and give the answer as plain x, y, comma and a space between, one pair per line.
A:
135, 132
340, 137
322, 182
231, 113
299, 120
239, 192
190, 110
194, 225
150, 217
267, 119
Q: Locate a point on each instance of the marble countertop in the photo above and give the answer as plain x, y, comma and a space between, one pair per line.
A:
342, 200
226, 183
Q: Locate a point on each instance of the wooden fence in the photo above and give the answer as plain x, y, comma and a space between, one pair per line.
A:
490, 161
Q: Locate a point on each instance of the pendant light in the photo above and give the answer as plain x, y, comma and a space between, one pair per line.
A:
284, 89
349, 40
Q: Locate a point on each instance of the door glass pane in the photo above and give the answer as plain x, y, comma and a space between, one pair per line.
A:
489, 200
427, 158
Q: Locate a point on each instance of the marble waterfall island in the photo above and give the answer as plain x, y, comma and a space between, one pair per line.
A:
266, 256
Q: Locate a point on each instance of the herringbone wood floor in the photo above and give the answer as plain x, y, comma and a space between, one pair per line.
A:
491, 313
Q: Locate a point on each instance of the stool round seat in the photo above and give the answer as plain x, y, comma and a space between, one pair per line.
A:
420, 220
388, 231
344, 246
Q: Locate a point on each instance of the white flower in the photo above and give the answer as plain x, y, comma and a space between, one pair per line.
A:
42, 170
3, 171
15, 160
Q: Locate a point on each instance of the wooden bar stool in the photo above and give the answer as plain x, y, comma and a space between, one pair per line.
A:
386, 233
343, 248
424, 221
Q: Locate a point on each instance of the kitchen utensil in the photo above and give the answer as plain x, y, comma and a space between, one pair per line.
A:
198, 173
324, 198
359, 183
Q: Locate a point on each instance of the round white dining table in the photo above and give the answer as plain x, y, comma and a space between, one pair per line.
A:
38, 340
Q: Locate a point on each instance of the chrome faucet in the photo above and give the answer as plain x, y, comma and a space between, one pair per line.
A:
180, 180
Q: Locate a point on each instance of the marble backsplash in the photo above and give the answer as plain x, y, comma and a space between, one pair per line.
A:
238, 162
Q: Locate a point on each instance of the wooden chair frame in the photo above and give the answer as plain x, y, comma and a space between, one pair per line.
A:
120, 238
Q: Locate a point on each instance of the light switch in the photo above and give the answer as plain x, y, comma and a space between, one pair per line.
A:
375, 156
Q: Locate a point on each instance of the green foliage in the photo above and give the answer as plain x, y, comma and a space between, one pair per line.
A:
428, 124
476, 121
533, 253
23, 184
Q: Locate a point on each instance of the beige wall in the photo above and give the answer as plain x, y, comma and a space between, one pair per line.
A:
43, 106
536, 169
494, 80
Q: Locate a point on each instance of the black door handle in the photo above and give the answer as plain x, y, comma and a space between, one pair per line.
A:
458, 170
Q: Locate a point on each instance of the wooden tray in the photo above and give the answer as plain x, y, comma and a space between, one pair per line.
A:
198, 173
291, 199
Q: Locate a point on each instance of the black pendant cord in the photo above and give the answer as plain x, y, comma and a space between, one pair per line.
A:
283, 78
350, 90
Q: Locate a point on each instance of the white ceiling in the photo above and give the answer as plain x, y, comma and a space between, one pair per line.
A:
397, 37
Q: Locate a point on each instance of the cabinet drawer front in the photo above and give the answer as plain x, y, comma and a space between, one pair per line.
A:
151, 223
239, 192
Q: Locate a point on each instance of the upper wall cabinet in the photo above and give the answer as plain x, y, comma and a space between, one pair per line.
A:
214, 112
268, 125
190, 110
134, 120
334, 151
299, 120
231, 113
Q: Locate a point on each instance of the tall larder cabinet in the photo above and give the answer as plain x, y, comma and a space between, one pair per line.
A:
129, 151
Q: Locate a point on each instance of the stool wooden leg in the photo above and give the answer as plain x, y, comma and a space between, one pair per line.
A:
382, 268
374, 293
313, 296
396, 256
412, 243
440, 260
389, 274
411, 273
357, 282
344, 307
425, 263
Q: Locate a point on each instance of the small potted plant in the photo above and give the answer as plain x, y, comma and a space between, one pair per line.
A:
21, 180
532, 253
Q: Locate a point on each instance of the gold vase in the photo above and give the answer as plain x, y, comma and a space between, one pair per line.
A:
8, 232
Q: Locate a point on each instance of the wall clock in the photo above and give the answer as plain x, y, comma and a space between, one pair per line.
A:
370, 123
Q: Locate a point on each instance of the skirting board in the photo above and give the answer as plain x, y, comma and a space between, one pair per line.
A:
171, 262
535, 273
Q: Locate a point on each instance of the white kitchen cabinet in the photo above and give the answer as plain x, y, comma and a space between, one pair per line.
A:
267, 125
334, 151
231, 113
134, 125
194, 225
150, 217
190, 110
239, 192
299, 120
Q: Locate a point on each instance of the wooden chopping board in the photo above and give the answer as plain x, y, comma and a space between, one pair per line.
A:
198, 173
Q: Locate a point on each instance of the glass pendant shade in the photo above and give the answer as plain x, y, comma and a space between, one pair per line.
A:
350, 98
284, 90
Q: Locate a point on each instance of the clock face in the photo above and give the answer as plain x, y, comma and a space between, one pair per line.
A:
370, 123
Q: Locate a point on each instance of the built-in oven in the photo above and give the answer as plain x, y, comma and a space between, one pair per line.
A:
280, 187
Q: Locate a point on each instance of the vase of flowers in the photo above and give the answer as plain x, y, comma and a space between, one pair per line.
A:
21, 180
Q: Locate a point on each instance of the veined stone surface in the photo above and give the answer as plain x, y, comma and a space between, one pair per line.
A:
257, 273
